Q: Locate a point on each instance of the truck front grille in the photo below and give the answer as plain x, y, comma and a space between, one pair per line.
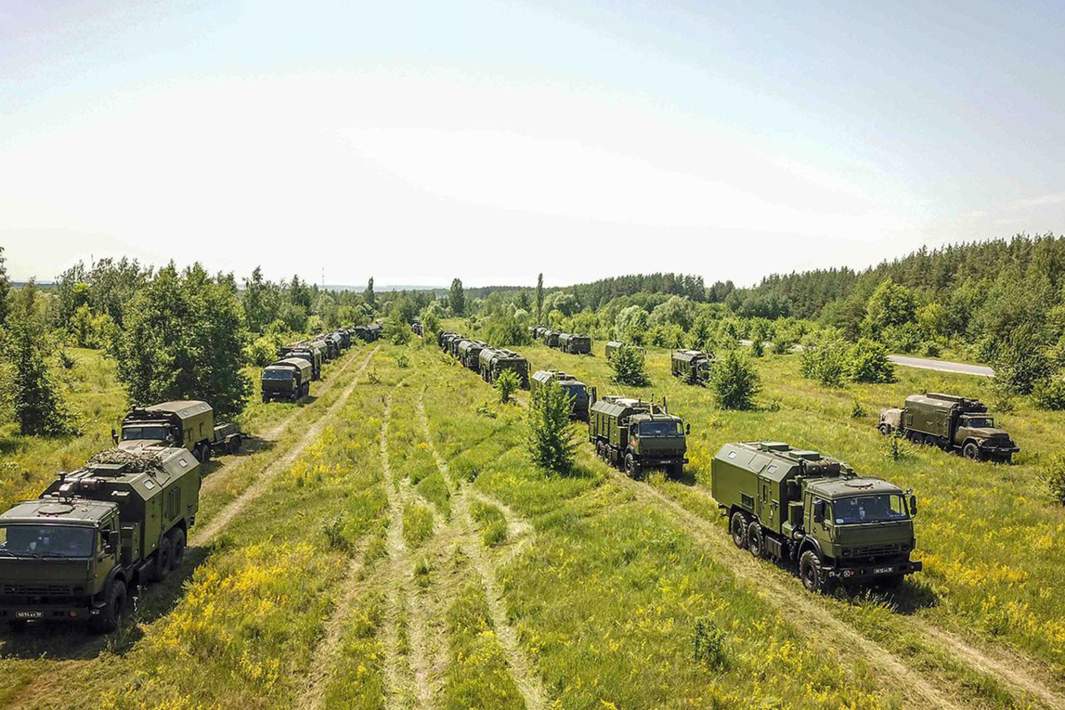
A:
41, 590
872, 550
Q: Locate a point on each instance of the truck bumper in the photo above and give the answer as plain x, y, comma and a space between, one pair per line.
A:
872, 571
50, 612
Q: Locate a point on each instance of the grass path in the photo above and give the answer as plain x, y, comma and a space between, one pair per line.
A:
521, 670
203, 535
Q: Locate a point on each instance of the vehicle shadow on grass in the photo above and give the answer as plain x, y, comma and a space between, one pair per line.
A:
76, 642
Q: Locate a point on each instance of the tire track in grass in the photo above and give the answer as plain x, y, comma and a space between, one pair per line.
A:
323, 662
401, 596
521, 671
204, 535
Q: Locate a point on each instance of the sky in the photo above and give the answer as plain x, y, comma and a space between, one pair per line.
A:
492, 140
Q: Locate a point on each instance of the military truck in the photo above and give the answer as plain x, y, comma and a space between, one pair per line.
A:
613, 346
814, 512
537, 331
634, 435
445, 343
416, 328
453, 345
575, 344
952, 423
550, 338
494, 361
576, 389
308, 353
345, 338
187, 423
76, 553
287, 379
368, 333
691, 366
470, 354
331, 345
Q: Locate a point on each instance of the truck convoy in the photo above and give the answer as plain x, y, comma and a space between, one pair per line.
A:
470, 353
575, 344
634, 435
577, 390
186, 423
802, 508
691, 366
952, 423
311, 354
76, 553
287, 379
550, 338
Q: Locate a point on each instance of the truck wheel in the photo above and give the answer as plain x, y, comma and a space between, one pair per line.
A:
893, 581
206, 453
234, 444
971, 451
266, 399
810, 572
913, 437
177, 547
676, 470
755, 541
738, 528
631, 466
884, 429
114, 606
161, 566
930, 440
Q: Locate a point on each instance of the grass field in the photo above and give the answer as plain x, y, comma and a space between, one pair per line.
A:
390, 545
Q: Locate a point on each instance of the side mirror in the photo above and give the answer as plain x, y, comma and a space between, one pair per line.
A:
819, 511
913, 506
114, 436
687, 428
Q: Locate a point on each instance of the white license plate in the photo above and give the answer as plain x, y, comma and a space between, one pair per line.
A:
883, 570
29, 614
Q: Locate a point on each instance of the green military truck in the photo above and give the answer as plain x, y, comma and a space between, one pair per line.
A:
445, 338
493, 361
287, 379
633, 435
575, 344
550, 338
812, 511
577, 390
613, 346
470, 354
691, 366
952, 423
187, 423
311, 355
76, 553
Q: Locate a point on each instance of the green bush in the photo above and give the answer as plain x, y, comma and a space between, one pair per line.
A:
825, 362
1054, 478
550, 439
709, 644
263, 350
734, 380
1050, 393
629, 367
506, 385
868, 362
758, 347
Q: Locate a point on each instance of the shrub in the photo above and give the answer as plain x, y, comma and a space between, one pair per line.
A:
1054, 478
506, 385
550, 438
708, 644
757, 347
868, 362
263, 350
629, 368
734, 380
402, 361
1050, 393
825, 362
857, 410
334, 535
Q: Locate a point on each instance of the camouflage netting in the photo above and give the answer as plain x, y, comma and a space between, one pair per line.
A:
129, 460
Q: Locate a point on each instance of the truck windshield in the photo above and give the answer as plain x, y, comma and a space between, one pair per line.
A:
980, 422
145, 432
659, 428
575, 391
47, 540
877, 508
277, 374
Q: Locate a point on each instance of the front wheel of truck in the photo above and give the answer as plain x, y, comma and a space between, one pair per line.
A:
177, 547
738, 529
114, 606
971, 451
810, 573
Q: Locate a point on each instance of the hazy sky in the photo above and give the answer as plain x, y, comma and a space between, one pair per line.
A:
493, 140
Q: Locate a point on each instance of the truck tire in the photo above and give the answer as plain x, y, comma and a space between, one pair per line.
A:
810, 573
755, 539
233, 446
971, 451
161, 565
266, 399
738, 529
676, 470
114, 607
884, 429
177, 547
632, 467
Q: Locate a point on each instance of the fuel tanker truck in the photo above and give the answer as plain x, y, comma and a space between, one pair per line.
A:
78, 552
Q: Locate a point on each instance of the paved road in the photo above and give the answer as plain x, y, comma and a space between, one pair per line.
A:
923, 363
962, 368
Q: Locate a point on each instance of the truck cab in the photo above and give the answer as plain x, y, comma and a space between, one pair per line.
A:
633, 435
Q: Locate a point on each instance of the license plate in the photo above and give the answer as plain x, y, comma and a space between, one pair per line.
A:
29, 614
883, 570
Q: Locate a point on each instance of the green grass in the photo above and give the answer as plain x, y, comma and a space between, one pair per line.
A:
493, 523
417, 524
